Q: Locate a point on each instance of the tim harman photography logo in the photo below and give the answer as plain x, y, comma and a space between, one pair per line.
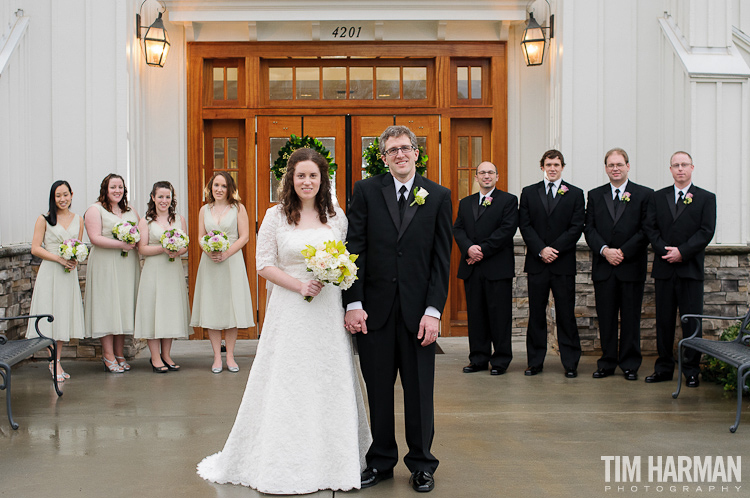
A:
672, 474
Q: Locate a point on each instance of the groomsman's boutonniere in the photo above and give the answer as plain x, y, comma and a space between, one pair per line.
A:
688, 198
420, 194
562, 190
487, 201
625, 197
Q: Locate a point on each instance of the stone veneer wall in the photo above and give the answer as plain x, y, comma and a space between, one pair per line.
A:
726, 294
727, 274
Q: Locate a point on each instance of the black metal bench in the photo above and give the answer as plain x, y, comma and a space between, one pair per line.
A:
12, 352
735, 353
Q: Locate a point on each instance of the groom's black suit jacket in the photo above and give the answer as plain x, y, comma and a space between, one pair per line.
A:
411, 257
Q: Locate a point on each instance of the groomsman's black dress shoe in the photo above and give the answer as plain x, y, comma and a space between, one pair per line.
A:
631, 374
473, 367
497, 370
658, 377
422, 481
692, 381
533, 370
571, 373
601, 373
370, 477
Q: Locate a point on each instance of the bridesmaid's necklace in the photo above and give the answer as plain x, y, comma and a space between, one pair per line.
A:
158, 221
221, 215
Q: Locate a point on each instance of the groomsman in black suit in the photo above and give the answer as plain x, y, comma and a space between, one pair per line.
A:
680, 224
400, 225
615, 215
551, 218
484, 230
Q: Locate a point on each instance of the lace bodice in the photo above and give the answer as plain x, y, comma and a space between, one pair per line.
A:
280, 244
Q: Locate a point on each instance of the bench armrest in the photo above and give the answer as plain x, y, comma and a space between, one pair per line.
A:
699, 324
49, 318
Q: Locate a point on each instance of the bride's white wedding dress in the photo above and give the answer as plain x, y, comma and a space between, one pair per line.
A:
302, 425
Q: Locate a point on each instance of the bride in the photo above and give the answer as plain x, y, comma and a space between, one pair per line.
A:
302, 425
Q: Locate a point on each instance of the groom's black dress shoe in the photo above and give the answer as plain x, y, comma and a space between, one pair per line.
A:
601, 373
532, 370
473, 367
497, 370
370, 477
692, 381
571, 373
422, 481
658, 377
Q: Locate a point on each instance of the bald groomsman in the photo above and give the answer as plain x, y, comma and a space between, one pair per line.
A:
484, 230
680, 224
615, 215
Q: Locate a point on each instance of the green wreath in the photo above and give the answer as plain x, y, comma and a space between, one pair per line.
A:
294, 143
376, 166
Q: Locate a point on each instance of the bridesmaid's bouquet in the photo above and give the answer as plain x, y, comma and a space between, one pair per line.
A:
173, 240
331, 263
214, 241
73, 248
126, 232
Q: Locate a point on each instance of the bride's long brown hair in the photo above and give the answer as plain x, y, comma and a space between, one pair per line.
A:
290, 201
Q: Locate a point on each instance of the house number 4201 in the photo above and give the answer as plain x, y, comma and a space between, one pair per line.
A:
347, 32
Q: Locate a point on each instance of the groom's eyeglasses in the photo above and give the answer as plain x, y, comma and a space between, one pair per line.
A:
395, 150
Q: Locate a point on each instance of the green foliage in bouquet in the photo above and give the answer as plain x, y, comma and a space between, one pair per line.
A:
294, 143
376, 166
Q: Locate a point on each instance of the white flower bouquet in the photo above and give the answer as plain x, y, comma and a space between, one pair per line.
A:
331, 263
214, 241
126, 232
173, 240
73, 248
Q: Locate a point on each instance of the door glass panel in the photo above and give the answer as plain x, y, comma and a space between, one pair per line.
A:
476, 83
308, 83
280, 83
334, 83
388, 83
218, 153
218, 83
476, 151
462, 83
231, 83
276, 145
463, 152
366, 142
232, 153
415, 82
464, 177
360, 82
330, 144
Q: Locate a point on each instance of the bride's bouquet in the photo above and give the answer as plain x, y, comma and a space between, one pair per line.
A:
173, 240
214, 241
126, 232
331, 263
73, 248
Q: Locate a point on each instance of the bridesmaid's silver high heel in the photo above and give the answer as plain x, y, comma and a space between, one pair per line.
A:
112, 366
123, 364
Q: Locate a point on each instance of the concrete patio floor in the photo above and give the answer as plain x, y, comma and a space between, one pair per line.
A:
140, 434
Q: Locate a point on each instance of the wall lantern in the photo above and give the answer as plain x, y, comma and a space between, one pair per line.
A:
534, 42
155, 41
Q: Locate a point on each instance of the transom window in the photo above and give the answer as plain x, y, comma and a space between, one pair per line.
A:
349, 79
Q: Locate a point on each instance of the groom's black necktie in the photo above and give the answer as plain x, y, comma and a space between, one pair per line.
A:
402, 202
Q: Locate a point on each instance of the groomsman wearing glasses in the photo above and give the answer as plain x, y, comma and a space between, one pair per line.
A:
400, 225
484, 230
551, 218
615, 215
680, 224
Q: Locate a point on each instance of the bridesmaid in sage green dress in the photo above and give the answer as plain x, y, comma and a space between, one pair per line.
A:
162, 310
112, 274
222, 292
56, 290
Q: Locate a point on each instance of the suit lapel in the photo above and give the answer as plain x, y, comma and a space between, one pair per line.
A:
475, 206
609, 203
556, 199
543, 197
389, 195
681, 207
411, 206
671, 203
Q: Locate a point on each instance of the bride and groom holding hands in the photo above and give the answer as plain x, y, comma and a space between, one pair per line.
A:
302, 426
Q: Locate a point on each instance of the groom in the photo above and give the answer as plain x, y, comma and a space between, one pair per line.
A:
400, 225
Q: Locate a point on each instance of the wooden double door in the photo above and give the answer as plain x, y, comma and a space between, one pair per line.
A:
247, 148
